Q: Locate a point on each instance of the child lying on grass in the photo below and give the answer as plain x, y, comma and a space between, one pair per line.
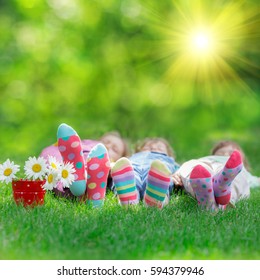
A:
146, 175
219, 179
115, 145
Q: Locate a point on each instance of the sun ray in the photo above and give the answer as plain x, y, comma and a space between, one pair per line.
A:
204, 44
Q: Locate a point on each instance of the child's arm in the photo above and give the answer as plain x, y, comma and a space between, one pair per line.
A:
177, 179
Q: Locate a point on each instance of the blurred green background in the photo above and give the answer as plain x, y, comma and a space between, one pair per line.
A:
101, 65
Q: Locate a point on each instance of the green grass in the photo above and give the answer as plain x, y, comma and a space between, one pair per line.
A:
62, 229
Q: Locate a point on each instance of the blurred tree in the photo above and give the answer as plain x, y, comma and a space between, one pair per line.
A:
104, 64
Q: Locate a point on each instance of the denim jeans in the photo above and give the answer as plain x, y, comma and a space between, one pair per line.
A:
141, 163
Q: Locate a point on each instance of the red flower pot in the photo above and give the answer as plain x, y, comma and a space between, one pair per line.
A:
28, 193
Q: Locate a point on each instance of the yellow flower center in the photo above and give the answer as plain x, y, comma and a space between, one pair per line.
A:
53, 165
50, 178
64, 174
36, 168
8, 171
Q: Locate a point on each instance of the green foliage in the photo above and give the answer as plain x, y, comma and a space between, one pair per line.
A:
101, 65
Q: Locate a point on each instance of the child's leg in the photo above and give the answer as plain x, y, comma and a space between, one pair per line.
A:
158, 183
124, 179
201, 183
222, 181
70, 148
98, 166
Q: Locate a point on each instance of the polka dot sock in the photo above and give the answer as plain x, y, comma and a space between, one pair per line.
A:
158, 183
201, 183
124, 179
71, 150
98, 167
222, 181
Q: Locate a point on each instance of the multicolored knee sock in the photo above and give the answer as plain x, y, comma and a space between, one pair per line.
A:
201, 183
223, 179
124, 179
158, 183
98, 167
70, 148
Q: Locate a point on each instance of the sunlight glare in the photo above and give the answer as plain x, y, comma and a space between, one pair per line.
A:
208, 48
200, 41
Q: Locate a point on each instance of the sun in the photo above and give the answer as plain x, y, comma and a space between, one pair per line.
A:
200, 41
206, 48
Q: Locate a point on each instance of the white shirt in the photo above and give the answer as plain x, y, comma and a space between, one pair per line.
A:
240, 187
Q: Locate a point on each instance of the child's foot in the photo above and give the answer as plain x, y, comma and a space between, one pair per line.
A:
201, 183
124, 179
158, 183
71, 150
98, 167
222, 181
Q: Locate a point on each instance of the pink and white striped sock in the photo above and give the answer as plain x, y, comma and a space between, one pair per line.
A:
124, 180
158, 182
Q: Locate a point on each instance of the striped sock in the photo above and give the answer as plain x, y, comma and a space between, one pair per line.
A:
201, 183
158, 183
70, 148
98, 166
124, 179
222, 181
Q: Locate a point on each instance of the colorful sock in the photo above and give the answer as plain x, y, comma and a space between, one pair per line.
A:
124, 179
222, 181
98, 167
158, 183
201, 183
71, 150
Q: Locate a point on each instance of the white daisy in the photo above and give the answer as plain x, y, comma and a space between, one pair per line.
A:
35, 168
53, 163
66, 174
51, 180
8, 170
